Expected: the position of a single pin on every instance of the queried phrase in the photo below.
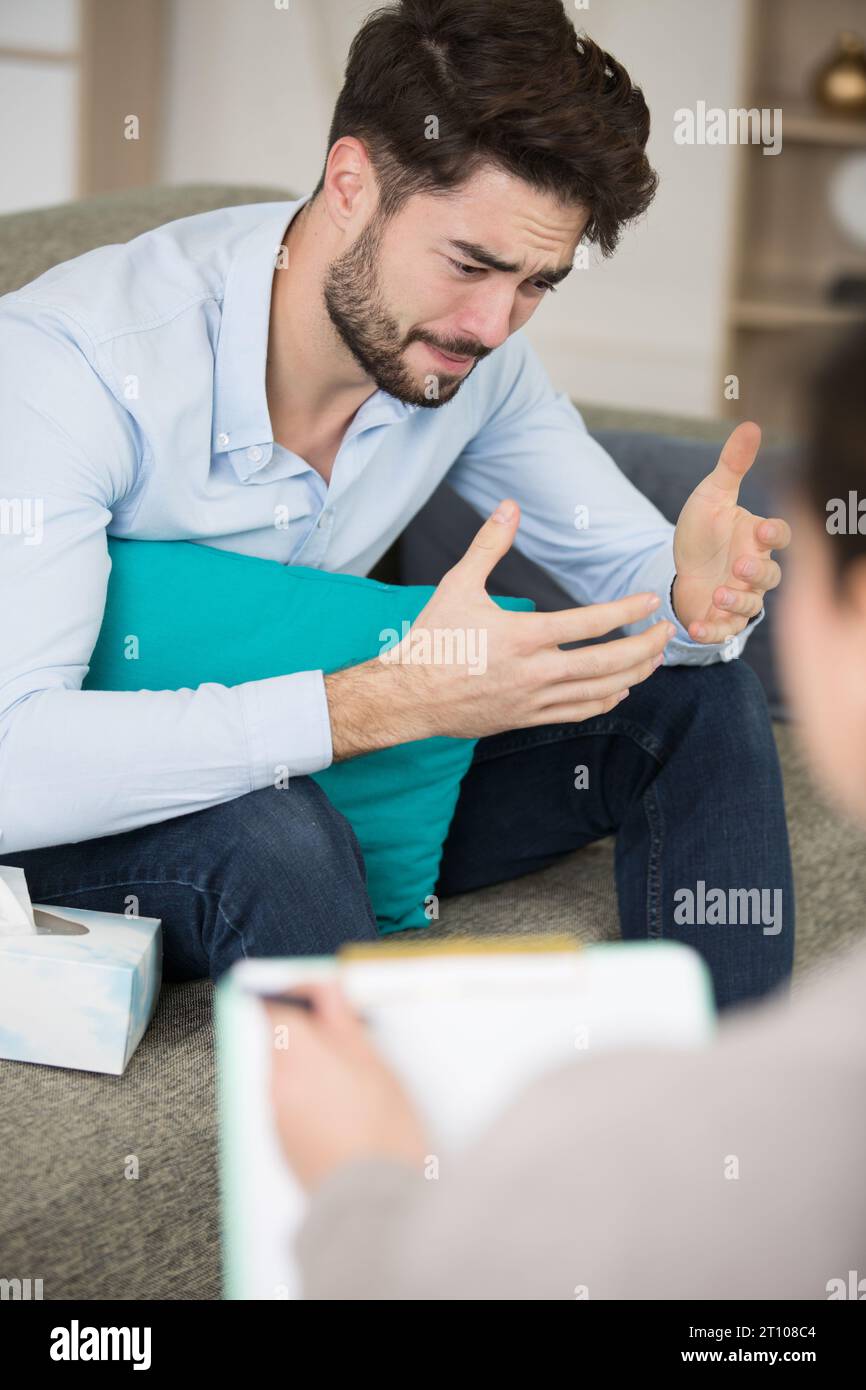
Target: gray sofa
(69, 1215)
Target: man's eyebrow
(484, 257)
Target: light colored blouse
(735, 1172)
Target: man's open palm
(723, 552)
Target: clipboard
(466, 1025)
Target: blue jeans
(684, 772)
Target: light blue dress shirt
(132, 403)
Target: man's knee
(735, 704)
(724, 706)
(294, 829)
(288, 873)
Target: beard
(356, 307)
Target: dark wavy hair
(512, 84)
(834, 461)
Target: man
(330, 361)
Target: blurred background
(744, 268)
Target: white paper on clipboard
(464, 1028)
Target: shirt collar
(240, 416)
(379, 409)
(241, 421)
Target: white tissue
(16, 912)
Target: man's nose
(487, 320)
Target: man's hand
(526, 678)
(334, 1099)
(721, 551)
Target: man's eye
(466, 269)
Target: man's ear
(350, 187)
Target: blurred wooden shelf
(809, 125)
(787, 304)
(789, 245)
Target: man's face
(454, 275)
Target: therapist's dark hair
(436, 89)
(835, 458)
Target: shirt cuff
(287, 725)
(658, 575)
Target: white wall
(646, 328)
(38, 103)
(249, 90)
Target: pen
(298, 1001)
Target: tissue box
(80, 1000)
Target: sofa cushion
(109, 1185)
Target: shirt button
(223, 440)
(729, 649)
(254, 454)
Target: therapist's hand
(334, 1098)
(723, 552)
